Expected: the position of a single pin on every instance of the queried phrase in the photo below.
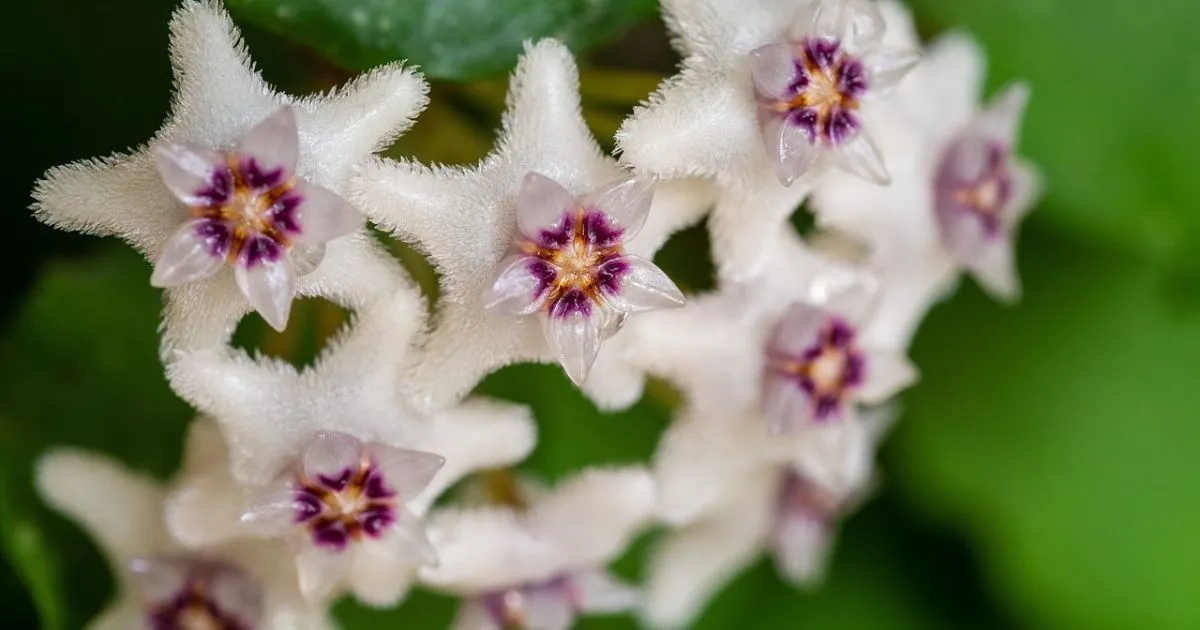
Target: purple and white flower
(249, 209)
(342, 495)
(193, 592)
(569, 265)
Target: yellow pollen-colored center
(983, 197)
(827, 369)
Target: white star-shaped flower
(238, 173)
(540, 564)
(337, 448)
(732, 491)
(160, 584)
(768, 93)
(958, 192)
(530, 198)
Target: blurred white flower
(215, 182)
(541, 563)
(466, 219)
(160, 585)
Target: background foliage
(1043, 476)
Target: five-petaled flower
(568, 263)
(341, 493)
(249, 209)
(185, 592)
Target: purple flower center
(823, 96)
(249, 213)
(196, 607)
(576, 262)
(828, 370)
(510, 608)
(974, 180)
(338, 509)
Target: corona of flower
(248, 209)
(569, 264)
(182, 592)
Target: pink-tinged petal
(788, 146)
(187, 170)
(158, 578)
(1001, 120)
(773, 69)
(271, 510)
(541, 204)
(784, 405)
(861, 156)
(1026, 189)
(858, 20)
(319, 570)
(269, 286)
(802, 547)
(273, 143)
(574, 339)
(644, 287)
(887, 374)
(516, 290)
(405, 471)
(306, 258)
(598, 591)
(548, 609)
(331, 455)
(886, 67)
(625, 202)
(797, 330)
(473, 615)
(237, 594)
(406, 543)
(994, 269)
(195, 251)
(322, 215)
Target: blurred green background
(1044, 476)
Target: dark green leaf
(449, 39)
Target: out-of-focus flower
(466, 219)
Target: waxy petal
(773, 69)
(271, 510)
(322, 215)
(784, 405)
(887, 374)
(541, 204)
(993, 267)
(789, 147)
(407, 543)
(644, 287)
(515, 289)
(574, 339)
(802, 547)
(857, 20)
(157, 579)
(406, 471)
(1001, 120)
(548, 611)
(599, 591)
(197, 250)
(331, 454)
(886, 67)
(273, 143)
(625, 201)
(861, 156)
(269, 286)
(319, 570)
(187, 169)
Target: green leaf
(1112, 123)
(1061, 435)
(449, 39)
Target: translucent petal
(274, 142)
(323, 215)
(548, 610)
(320, 569)
(598, 591)
(238, 595)
(887, 374)
(306, 258)
(186, 169)
(380, 575)
(802, 548)
(797, 329)
(330, 454)
(158, 578)
(271, 510)
(406, 471)
(189, 255)
(541, 204)
(625, 201)
(1026, 189)
(1001, 120)
(859, 20)
(406, 543)
(773, 69)
(887, 66)
(514, 291)
(269, 286)
(644, 288)
(995, 270)
(788, 147)
(575, 341)
(784, 405)
(861, 156)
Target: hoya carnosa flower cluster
(301, 485)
